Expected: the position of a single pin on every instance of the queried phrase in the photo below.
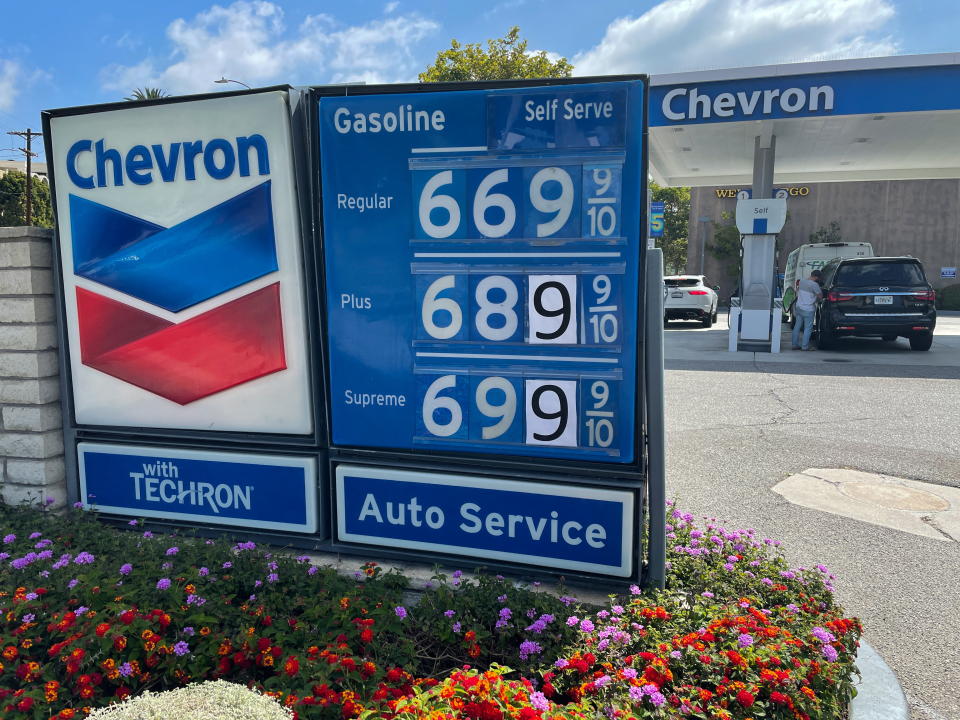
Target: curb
(879, 695)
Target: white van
(813, 256)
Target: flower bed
(92, 615)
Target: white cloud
(9, 73)
(249, 41)
(681, 35)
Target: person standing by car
(808, 292)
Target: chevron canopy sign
(180, 246)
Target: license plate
(677, 293)
(883, 300)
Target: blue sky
(61, 53)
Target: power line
(27, 135)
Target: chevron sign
(182, 272)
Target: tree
(827, 234)
(676, 219)
(13, 197)
(505, 58)
(147, 93)
(726, 244)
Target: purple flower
(830, 653)
(766, 581)
(78, 505)
(132, 523)
(203, 572)
(125, 670)
(163, 583)
(188, 631)
(573, 620)
(28, 618)
(312, 570)
(31, 596)
(147, 534)
(563, 662)
(35, 535)
(617, 609)
(567, 600)
(227, 565)
(19, 563)
(126, 569)
(657, 698)
(629, 673)
(636, 693)
(457, 573)
(586, 626)
(45, 555)
(823, 635)
(245, 546)
(506, 613)
(258, 583)
(167, 565)
(400, 611)
(83, 558)
(173, 550)
(456, 627)
(745, 640)
(539, 701)
(449, 613)
(788, 575)
(706, 594)
(601, 681)
(81, 610)
(49, 501)
(181, 648)
(272, 577)
(73, 583)
(43, 543)
(528, 648)
(502, 599)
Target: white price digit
(601, 393)
(602, 177)
(433, 304)
(561, 205)
(603, 220)
(485, 199)
(432, 401)
(602, 287)
(605, 327)
(429, 201)
(504, 309)
(599, 427)
(506, 411)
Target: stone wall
(31, 438)
(898, 217)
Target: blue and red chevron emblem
(176, 268)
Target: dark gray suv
(887, 297)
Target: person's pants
(804, 324)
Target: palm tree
(147, 93)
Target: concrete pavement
(740, 423)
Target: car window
(880, 273)
(682, 282)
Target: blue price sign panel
(268, 492)
(571, 528)
(482, 254)
(656, 219)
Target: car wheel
(825, 338)
(888, 338)
(715, 311)
(708, 320)
(921, 342)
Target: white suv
(689, 297)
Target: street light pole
(223, 80)
(703, 239)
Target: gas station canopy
(889, 118)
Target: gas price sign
(482, 252)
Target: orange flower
(204, 631)
(344, 603)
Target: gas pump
(755, 325)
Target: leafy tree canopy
(827, 234)
(147, 93)
(13, 201)
(505, 58)
(676, 218)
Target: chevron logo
(176, 268)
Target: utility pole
(28, 135)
